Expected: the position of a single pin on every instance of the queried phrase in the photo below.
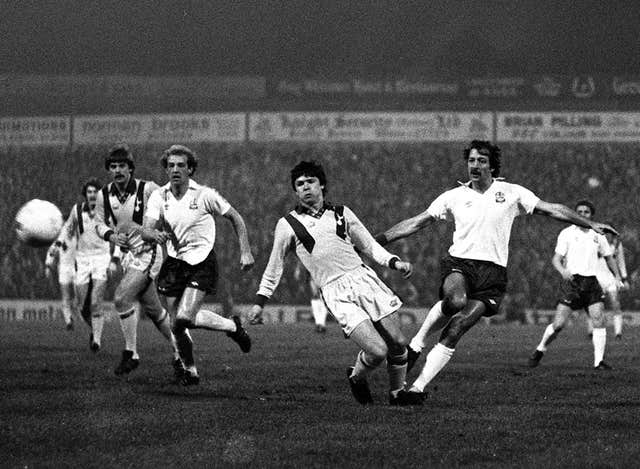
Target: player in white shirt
(576, 259)
(120, 208)
(325, 238)
(610, 284)
(92, 257)
(474, 274)
(181, 214)
(61, 254)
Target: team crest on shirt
(393, 303)
(194, 204)
(500, 197)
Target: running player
(119, 214)
(184, 211)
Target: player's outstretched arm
(563, 213)
(405, 228)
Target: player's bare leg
(550, 333)
(442, 352)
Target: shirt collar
(300, 209)
(129, 190)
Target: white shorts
(607, 281)
(92, 267)
(357, 296)
(146, 261)
(66, 272)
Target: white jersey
(190, 219)
(324, 242)
(580, 249)
(82, 226)
(605, 277)
(483, 221)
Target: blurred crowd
(381, 182)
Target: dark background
(302, 38)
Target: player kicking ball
(324, 237)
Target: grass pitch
(288, 404)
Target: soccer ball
(38, 223)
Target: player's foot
(127, 364)
(178, 369)
(240, 335)
(69, 325)
(93, 345)
(257, 320)
(405, 398)
(320, 329)
(359, 388)
(603, 366)
(618, 336)
(535, 358)
(190, 378)
(412, 358)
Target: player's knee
(454, 303)
(377, 353)
(122, 302)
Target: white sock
(548, 333)
(319, 311)
(599, 343)
(129, 326)
(66, 313)
(437, 358)
(434, 321)
(617, 324)
(97, 324)
(206, 319)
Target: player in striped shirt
(92, 259)
(325, 238)
(119, 215)
(474, 274)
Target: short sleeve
(527, 199)
(214, 202)
(439, 208)
(154, 205)
(562, 245)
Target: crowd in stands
(381, 182)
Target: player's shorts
(66, 272)
(176, 275)
(357, 296)
(148, 262)
(607, 281)
(486, 281)
(581, 292)
(91, 267)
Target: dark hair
(118, 153)
(309, 168)
(586, 203)
(91, 182)
(192, 158)
(486, 148)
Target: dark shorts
(486, 281)
(177, 275)
(581, 292)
